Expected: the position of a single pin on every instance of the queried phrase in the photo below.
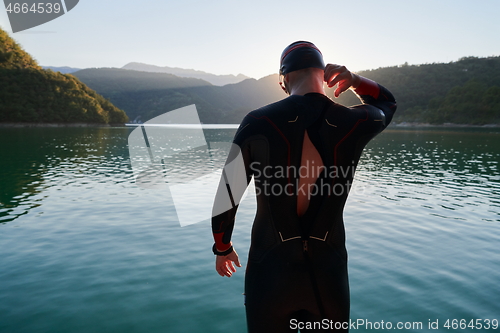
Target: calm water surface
(86, 250)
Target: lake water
(84, 249)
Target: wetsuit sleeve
(234, 180)
(384, 103)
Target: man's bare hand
(339, 74)
(224, 264)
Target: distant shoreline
(20, 125)
(411, 124)
(393, 125)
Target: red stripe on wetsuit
(368, 87)
(219, 244)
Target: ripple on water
(85, 249)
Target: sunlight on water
(86, 250)
(425, 226)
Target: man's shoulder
(270, 113)
(309, 103)
(275, 108)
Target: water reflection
(457, 168)
(454, 168)
(36, 158)
(422, 235)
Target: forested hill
(144, 95)
(116, 80)
(464, 92)
(29, 93)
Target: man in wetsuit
(302, 152)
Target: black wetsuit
(297, 266)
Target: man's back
(272, 140)
(302, 153)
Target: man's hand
(224, 264)
(339, 74)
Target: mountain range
(145, 95)
(218, 80)
(29, 93)
(63, 69)
(466, 91)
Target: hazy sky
(231, 37)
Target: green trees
(471, 103)
(461, 92)
(464, 92)
(30, 94)
(12, 56)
